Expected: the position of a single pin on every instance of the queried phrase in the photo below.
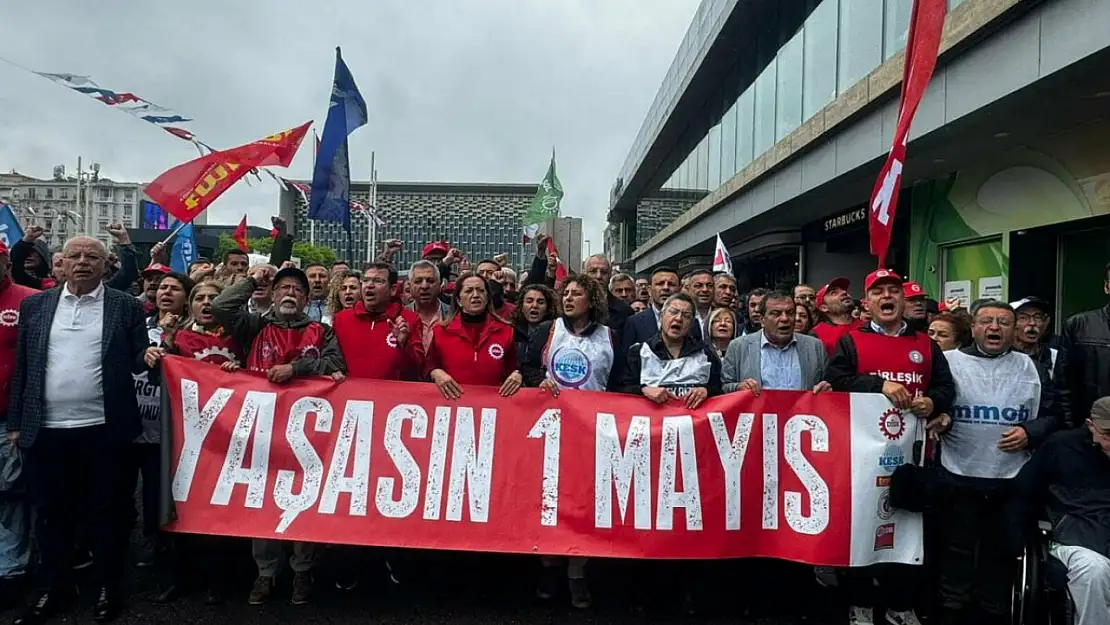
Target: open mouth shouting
(348, 300)
(887, 307)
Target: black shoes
(48, 604)
(108, 606)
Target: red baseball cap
(156, 268)
(913, 289)
(839, 282)
(880, 275)
(436, 246)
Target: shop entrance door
(1083, 258)
(974, 270)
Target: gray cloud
(458, 90)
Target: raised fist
(32, 233)
(119, 233)
(279, 223)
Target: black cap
(1035, 302)
(932, 306)
(292, 272)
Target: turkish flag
(186, 190)
(240, 235)
(926, 26)
(560, 268)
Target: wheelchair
(1041, 585)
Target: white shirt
(74, 390)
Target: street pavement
(463, 589)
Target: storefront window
(896, 27)
(745, 128)
(788, 101)
(703, 164)
(861, 41)
(819, 62)
(764, 135)
(714, 157)
(728, 144)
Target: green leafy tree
(308, 253)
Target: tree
(307, 252)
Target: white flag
(721, 260)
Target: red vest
(281, 346)
(906, 360)
(11, 295)
(207, 347)
(831, 333)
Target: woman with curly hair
(344, 291)
(574, 351)
(535, 305)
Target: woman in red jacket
(473, 345)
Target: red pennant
(240, 235)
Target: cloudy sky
(458, 90)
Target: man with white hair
(623, 287)
(599, 268)
(508, 284)
(283, 343)
(74, 413)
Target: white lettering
(622, 468)
(355, 431)
(770, 471)
(678, 439)
(257, 415)
(403, 460)
(549, 427)
(471, 470)
(815, 486)
(312, 467)
(731, 452)
(437, 463)
(196, 424)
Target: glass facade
(839, 44)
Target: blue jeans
(15, 536)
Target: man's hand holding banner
(789, 475)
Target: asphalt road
(462, 589)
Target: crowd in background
(1018, 417)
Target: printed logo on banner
(570, 367)
(884, 537)
(269, 352)
(218, 355)
(916, 356)
(882, 481)
(891, 458)
(310, 351)
(892, 424)
(9, 317)
(391, 340)
(496, 351)
(886, 511)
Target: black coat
(122, 346)
(642, 326)
(1083, 364)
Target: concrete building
(775, 118)
(480, 219)
(65, 206)
(566, 232)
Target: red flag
(926, 25)
(560, 268)
(186, 190)
(240, 235)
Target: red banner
(926, 27)
(784, 475)
(186, 190)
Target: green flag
(546, 203)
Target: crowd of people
(1018, 417)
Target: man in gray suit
(775, 357)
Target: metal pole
(371, 231)
(312, 232)
(77, 198)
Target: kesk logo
(570, 367)
(891, 458)
(496, 351)
(892, 424)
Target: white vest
(679, 376)
(579, 362)
(992, 395)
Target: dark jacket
(122, 347)
(122, 280)
(533, 368)
(644, 325)
(230, 309)
(630, 382)
(843, 373)
(1067, 479)
(1083, 364)
(1048, 417)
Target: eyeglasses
(675, 312)
(1036, 317)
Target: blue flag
(184, 250)
(10, 230)
(331, 177)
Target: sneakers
(861, 616)
(548, 584)
(902, 618)
(261, 591)
(302, 588)
(580, 594)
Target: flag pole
(371, 231)
(180, 225)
